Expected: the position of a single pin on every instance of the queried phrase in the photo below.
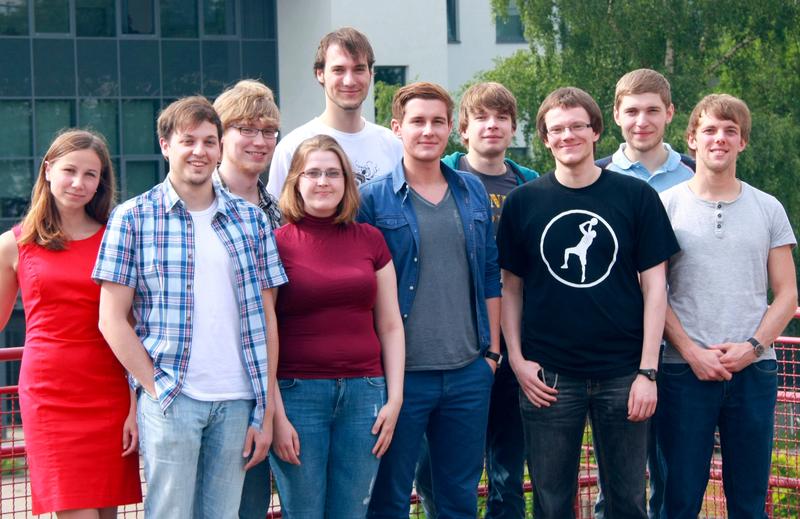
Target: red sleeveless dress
(73, 394)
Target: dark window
(259, 61)
(95, 18)
(17, 185)
(452, 22)
(509, 29)
(181, 66)
(51, 16)
(140, 176)
(138, 17)
(15, 55)
(97, 68)
(101, 116)
(139, 127)
(139, 67)
(50, 118)
(178, 18)
(53, 67)
(14, 17)
(15, 139)
(220, 66)
(219, 17)
(258, 19)
(391, 75)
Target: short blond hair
(488, 95)
(248, 100)
(725, 107)
(421, 90)
(291, 202)
(643, 81)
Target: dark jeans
(553, 437)
(744, 410)
(505, 456)
(256, 492)
(451, 408)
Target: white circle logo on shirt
(579, 248)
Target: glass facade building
(111, 65)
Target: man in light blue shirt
(643, 109)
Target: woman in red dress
(78, 413)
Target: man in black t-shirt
(586, 251)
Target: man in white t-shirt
(343, 66)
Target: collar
(399, 176)
(673, 159)
(171, 199)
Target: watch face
(759, 350)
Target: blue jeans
(451, 408)
(333, 419)
(256, 492)
(744, 410)
(553, 437)
(505, 457)
(192, 454)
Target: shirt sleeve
(268, 262)
(116, 259)
(781, 232)
(656, 241)
(511, 256)
(381, 254)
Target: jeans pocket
(286, 383)
(675, 370)
(767, 367)
(379, 382)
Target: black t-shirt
(497, 186)
(579, 252)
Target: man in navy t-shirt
(586, 251)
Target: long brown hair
(42, 224)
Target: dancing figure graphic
(588, 236)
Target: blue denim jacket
(386, 205)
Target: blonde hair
(42, 223)
(291, 202)
(643, 81)
(248, 100)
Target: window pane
(139, 127)
(181, 67)
(15, 139)
(51, 117)
(452, 21)
(15, 62)
(14, 17)
(139, 68)
(260, 61)
(510, 29)
(97, 68)
(54, 67)
(391, 75)
(258, 20)
(95, 18)
(15, 191)
(220, 16)
(178, 18)
(220, 66)
(140, 176)
(138, 17)
(101, 116)
(51, 15)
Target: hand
(539, 393)
(257, 442)
(286, 444)
(642, 399)
(735, 355)
(384, 424)
(492, 364)
(130, 433)
(706, 364)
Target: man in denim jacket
(437, 224)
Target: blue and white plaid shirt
(149, 245)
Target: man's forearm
(654, 293)
(130, 352)
(493, 312)
(511, 314)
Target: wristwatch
(496, 357)
(758, 348)
(651, 374)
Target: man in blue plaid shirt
(195, 268)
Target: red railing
(783, 499)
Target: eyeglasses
(330, 174)
(268, 133)
(573, 128)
